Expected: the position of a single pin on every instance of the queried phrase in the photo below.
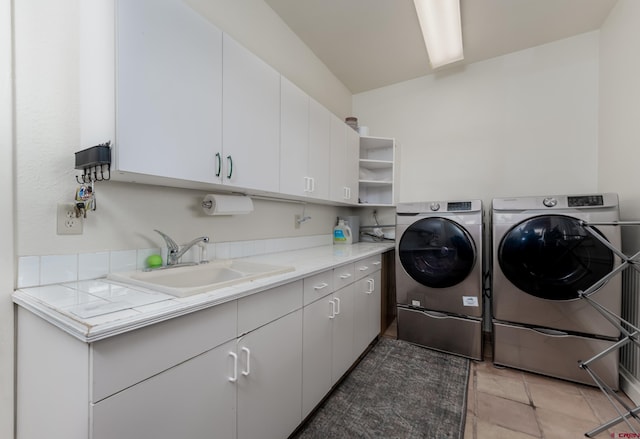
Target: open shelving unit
(377, 171)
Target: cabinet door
(168, 90)
(193, 400)
(366, 311)
(319, 165)
(316, 352)
(270, 379)
(338, 188)
(294, 140)
(352, 164)
(343, 326)
(251, 119)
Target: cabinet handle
(348, 193)
(363, 268)
(230, 163)
(313, 184)
(218, 164)
(371, 286)
(234, 378)
(247, 371)
(376, 263)
(345, 276)
(333, 309)
(337, 305)
(306, 184)
(321, 286)
(344, 193)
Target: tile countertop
(92, 310)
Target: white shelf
(377, 166)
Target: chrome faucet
(174, 252)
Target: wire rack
(629, 332)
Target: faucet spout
(190, 244)
(174, 252)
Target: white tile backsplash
(58, 268)
(93, 265)
(28, 271)
(123, 260)
(53, 269)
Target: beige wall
(619, 142)
(6, 223)
(51, 126)
(520, 124)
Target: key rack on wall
(630, 333)
(95, 163)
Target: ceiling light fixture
(441, 29)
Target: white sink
(187, 280)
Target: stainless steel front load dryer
(439, 275)
(542, 257)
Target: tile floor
(506, 403)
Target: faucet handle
(171, 244)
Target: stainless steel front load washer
(439, 275)
(542, 257)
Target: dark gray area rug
(397, 391)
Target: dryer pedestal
(442, 332)
(529, 349)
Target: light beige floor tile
(559, 400)
(507, 413)
(469, 427)
(485, 430)
(603, 408)
(490, 368)
(508, 387)
(556, 425)
(471, 392)
(566, 386)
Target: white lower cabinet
(337, 325)
(252, 368)
(191, 400)
(367, 311)
(270, 379)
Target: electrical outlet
(68, 223)
(297, 219)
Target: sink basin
(187, 280)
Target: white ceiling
(373, 43)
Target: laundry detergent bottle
(342, 233)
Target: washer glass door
(437, 252)
(553, 257)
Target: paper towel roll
(226, 204)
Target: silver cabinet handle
(321, 286)
(333, 309)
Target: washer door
(437, 252)
(553, 257)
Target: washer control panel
(434, 207)
(550, 202)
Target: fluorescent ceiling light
(441, 29)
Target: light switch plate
(68, 223)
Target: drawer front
(318, 286)
(343, 276)
(264, 307)
(553, 355)
(366, 266)
(123, 360)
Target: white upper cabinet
(294, 140)
(344, 162)
(251, 120)
(168, 90)
(304, 144)
(319, 165)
